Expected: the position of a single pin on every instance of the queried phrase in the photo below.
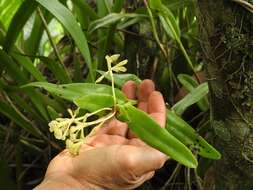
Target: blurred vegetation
(66, 41)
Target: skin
(113, 158)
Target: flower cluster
(118, 67)
(72, 129)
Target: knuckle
(161, 158)
(127, 162)
(137, 142)
(102, 137)
(97, 139)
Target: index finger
(156, 108)
(129, 89)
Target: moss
(232, 48)
(240, 130)
(227, 39)
(247, 152)
(221, 130)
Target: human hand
(114, 158)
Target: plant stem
(102, 119)
(188, 59)
(178, 167)
(188, 174)
(16, 109)
(57, 54)
(109, 65)
(247, 5)
(178, 40)
(198, 180)
(154, 30)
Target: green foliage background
(66, 41)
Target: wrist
(66, 182)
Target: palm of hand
(114, 158)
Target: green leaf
(177, 5)
(12, 68)
(129, 22)
(20, 18)
(7, 9)
(187, 81)
(60, 73)
(190, 84)
(167, 18)
(101, 8)
(2, 37)
(68, 21)
(148, 130)
(93, 102)
(118, 5)
(23, 61)
(170, 24)
(86, 9)
(52, 113)
(74, 91)
(189, 137)
(78, 71)
(166, 27)
(193, 97)
(37, 100)
(20, 78)
(171, 27)
(32, 44)
(28, 65)
(23, 104)
(155, 4)
(2, 29)
(111, 19)
(12, 114)
(121, 79)
(106, 34)
(81, 17)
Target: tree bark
(226, 29)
